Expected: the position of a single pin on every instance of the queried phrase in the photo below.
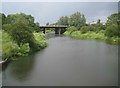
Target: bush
(18, 38)
(9, 47)
(112, 31)
(23, 50)
(40, 40)
(71, 29)
(84, 29)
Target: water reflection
(53, 35)
(21, 68)
(66, 62)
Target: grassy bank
(93, 35)
(10, 49)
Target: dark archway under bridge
(57, 29)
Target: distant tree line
(77, 26)
(76, 19)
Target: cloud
(51, 11)
(59, 0)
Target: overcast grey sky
(51, 11)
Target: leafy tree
(47, 23)
(13, 18)
(114, 18)
(2, 18)
(98, 21)
(63, 20)
(112, 30)
(20, 28)
(113, 25)
(83, 20)
(0, 21)
(77, 19)
(21, 33)
(37, 27)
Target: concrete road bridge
(57, 29)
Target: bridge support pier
(62, 31)
(59, 30)
(44, 30)
(56, 31)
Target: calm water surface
(66, 62)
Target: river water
(66, 62)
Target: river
(66, 62)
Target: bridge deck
(53, 26)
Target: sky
(59, 0)
(44, 12)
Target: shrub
(71, 29)
(84, 29)
(40, 40)
(9, 47)
(112, 31)
(23, 50)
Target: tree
(77, 19)
(83, 20)
(98, 21)
(113, 25)
(63, 20)
(37, 27)
(20, 28)
(112, 31)
(114, 18)
(47, 24)
(2, 19)
(13, 18)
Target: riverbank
(93, 35)
(10, 49)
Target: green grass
(93, 35)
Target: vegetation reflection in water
(21, 68)
(63, 62)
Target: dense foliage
(76, 19)
(113, 25)
(108, 32)
(11, 49)
(19, 38)
(63, 20)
